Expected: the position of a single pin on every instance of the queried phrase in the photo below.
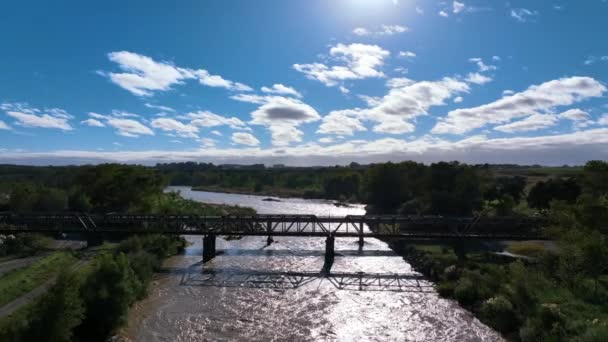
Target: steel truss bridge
(96, 226)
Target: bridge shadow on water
(285, 280)
(295, 252)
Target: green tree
(59, 312)
(108, 293)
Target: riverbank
(518, 298)
(273, 192)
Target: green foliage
(120, 188)
(342, 186)
(598, 333)
(59, 311)
(543, 192)
(506, 186)
(19, 282)
(108, 293)
(498, 312)
(465, 292)
(23, 245)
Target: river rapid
(250, 292)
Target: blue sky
(303, 82)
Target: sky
(303, 82)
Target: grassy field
(19, 282)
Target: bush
(58, 313)
(445, 289)
(465, 292)
(498, 312)
(547, 325)
(595, 334)
(108, 293)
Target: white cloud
(3, 125)
(407, 54)
(481, 65)
(93, 123)
(592, 59)
(143, 76)
(209, 119)
(575, 114)
(457, 7)
(507, 92)
(161, 108)
(218, 133)
(344, 90)
(393, 29)
(385, 30)
(603, 120)
(531, 123)
(360, 61)
(477, 78)
(523, 15)
(207, 142)
(281, 90)
(128, 127)
(537, 99)
(174, 126)
(281, 115)
(245, 139)
(443, 14)
(27, 116)
(342, 122)
(419, 10)
(361, 31)
(205, 78)
(394, 112)
(458, 99)
(399, 82)
(326, 140)
(571, 148)
(580, 119)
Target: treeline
(89, 304)
(407, 187)
(561, 294)
(102, 189)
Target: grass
(10, 325)
(19, 282)
(527, 248)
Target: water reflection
(359, 281)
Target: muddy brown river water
(251, 292)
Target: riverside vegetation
(88, 303)
(558, 294)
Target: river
(251, 292)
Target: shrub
(595, 334)
(465, 292)
(498, 312)
(445, 289)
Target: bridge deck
(411, 227)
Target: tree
(454, 189)
(59, 312)
(543, 192)
(506, 186)
(108, 292)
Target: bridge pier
(94, 239)
(361, 242)
(329, 254)
(208, 247)
(269, 240)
